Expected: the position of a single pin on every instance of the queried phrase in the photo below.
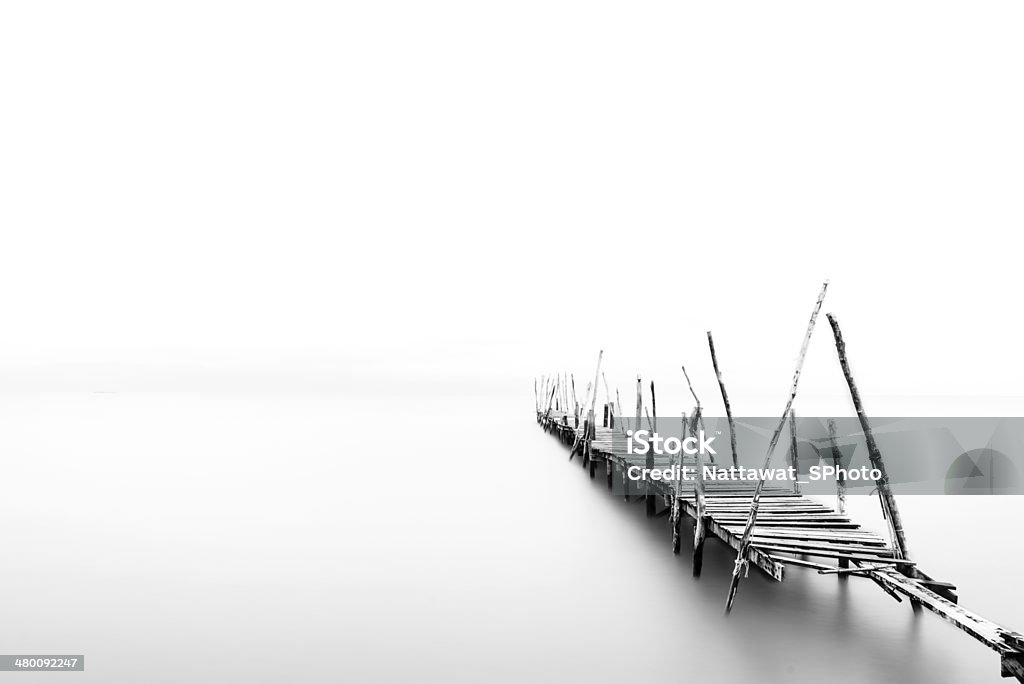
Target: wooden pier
(768, 524)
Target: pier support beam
(874, 455)
(651, 504)
(725, 400)
(676, 520)
(743, 552)
(701, 520)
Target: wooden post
(618, 407)
(725, 399)
(586, 400)
(650, 504)
(892, 513)
(575, 403)
(740, 566)
(677, 517)
(588, 434)
(837, 461)
(639, 406)
(699, 412)
(639, 403)
(590, 449)
(625, 482)
(794, 460)
(700, 527)
(551, 399)
(565, 392)
(597, 372)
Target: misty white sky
(456, 193)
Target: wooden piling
(565, 391)
(618, 406)
(874, 455)
(740, 566)
(639, 403)
(794, 458)
(837, 461)
(677, 517)
(725, 399)
(651, 504)
(575, 403)
(700, 520)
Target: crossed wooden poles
(897, 575)
(891, 513)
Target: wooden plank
(984, 630)
(804, 545)
(827, 553)
(851, 571)
(801, 562)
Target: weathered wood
(837, 461)
(768, 526)
(676, 504)
(801, 562)
(725, 400)
(651, 503)
(565, 391)
(575, 403)
(625, 486)
(618, 407)
(794, 458)
(639, 403)
(829, 553)
(690, 386)
(701, 520)
(854, 571)
(892, 513)
(740, 565)
(593, 404)
(1010, 645)
(879, 583)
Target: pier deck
(789, 528)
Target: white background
(448, 190)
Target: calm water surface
(229, 537)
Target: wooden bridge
(769, 525)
